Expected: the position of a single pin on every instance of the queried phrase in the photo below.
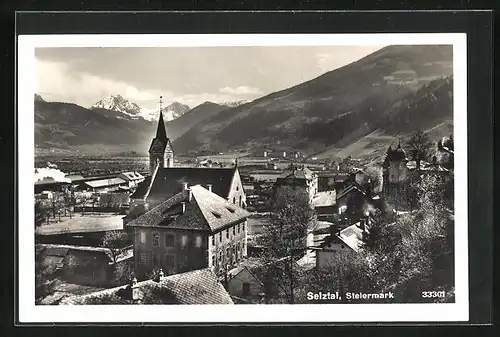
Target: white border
(30, 313)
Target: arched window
(240, 201)
(234, 200)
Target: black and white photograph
(243, 177)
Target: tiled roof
(141, 189)
(206, 211)
(105, 182)
(352, 236)
(353, 186)
(194, 287)
(302, 173)
(169, 181)
(323, 199)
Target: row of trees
(405, 254)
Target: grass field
(83, 224)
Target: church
(166, 179)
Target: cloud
(323, 61)
(57, 81)
(241, 90)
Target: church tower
(161, 151)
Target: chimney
(183, 207)
(185, 186)
(209, 187)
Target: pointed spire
(161, 132)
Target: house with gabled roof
(193, 229)
(349, 239)
(299, 178)
(243, 283)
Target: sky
(189, 75)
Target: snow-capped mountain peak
(116, 102)
(170, 112)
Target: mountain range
(354, 110)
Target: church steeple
(161, 132)
(161, 152)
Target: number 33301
(433, 294)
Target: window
(234, 200)
(245, 291)
(213, 239)
(220, 257)
(228, 254)
(220, 237)
(184, 240)
(198, 241)
(143, 237)
(156, 261)
(144, 258)
(234, 230)
(240, 201)
(237, 188)
(239, 228)
(169, 261)
(227, 233)
(243, 226)
(213, 260)
(156, 239)
(169, 240)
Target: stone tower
(160, 152)
(395, 169)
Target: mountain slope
(195, 116)
(340, 106)
(66, 125)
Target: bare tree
(291, 218)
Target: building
(104, 185)
(301, 178)
(133, 178)
(81, 265)
(349, 239)
(193, 229)
(243, 284)
(193, 287)
(79, 230)
(351, 199)
(165, 180)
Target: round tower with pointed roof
(395, 169)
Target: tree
(348, 272)
(420, 147)
(291, 218)
(44, 278)
(42, 213)
(115, 241)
